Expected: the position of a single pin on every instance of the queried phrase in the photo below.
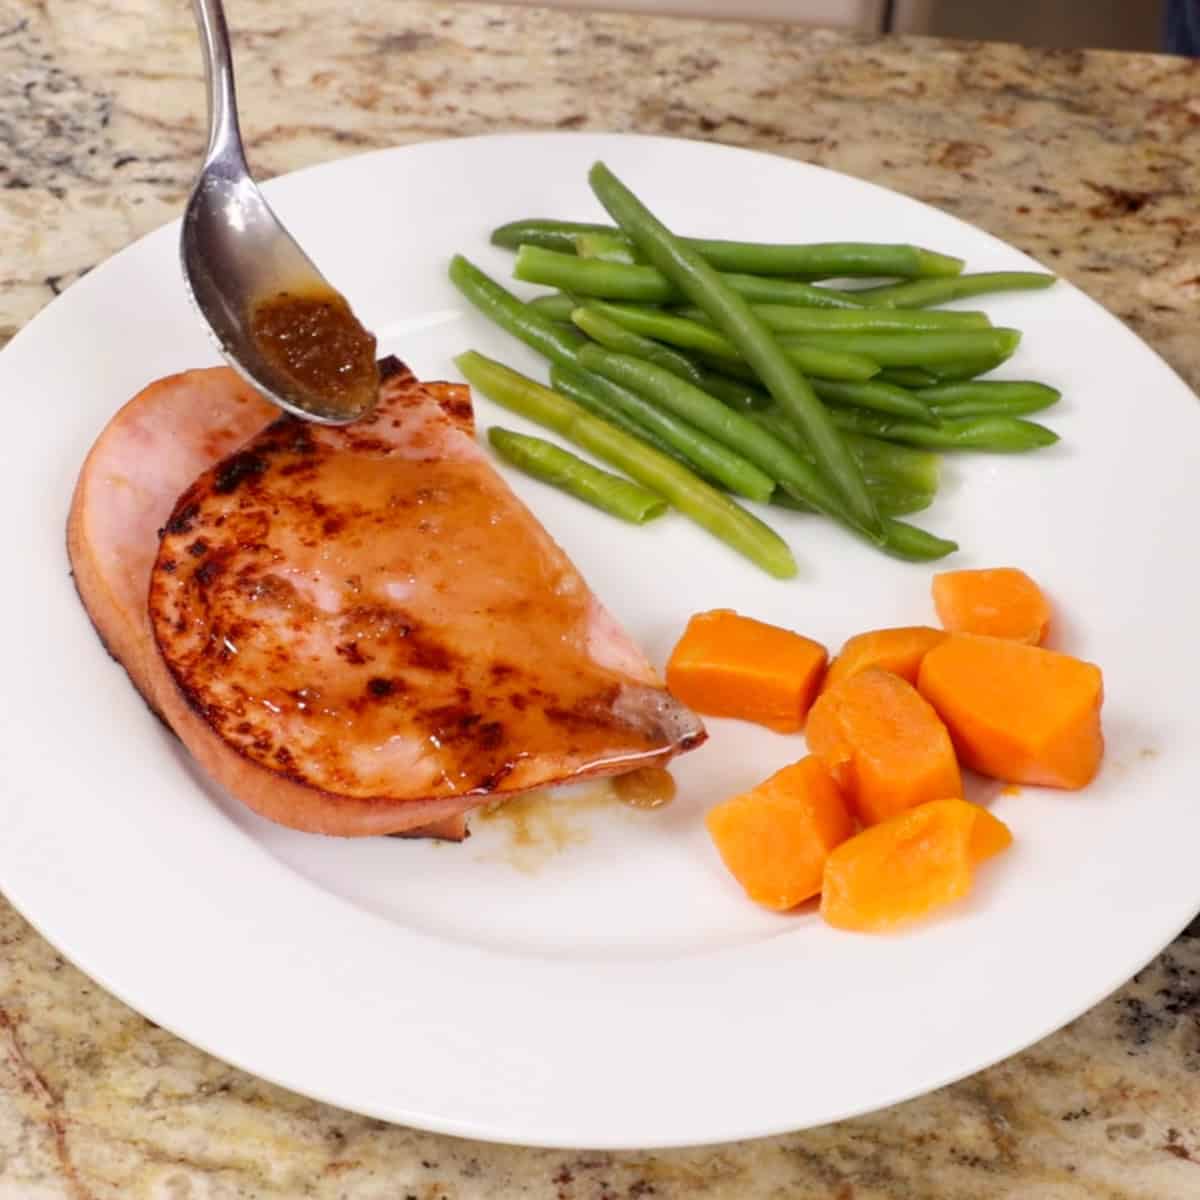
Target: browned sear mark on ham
(234, 471)
(350, 652)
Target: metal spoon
(249, 278)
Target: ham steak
(360, 631)
(153, 448)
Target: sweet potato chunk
(1016, 712)
(727, 665)
(897, 650)
(776, 837)
(989, 836)
(884, 745)
(999, 602)
(902, 869)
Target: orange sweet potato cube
(1016, 712)
(776, 837)
(901, 869)
(727, 665)
(989, 836)
(997, 601)
(897, 650)
(884, 745)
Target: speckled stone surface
(1091, 162)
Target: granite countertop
(1089, 161)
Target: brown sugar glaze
(370, 610)
(645, 787)
(312, 337)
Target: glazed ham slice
(153, 449)
(363, 631)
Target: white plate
(619, 992)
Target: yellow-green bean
(681, 488)
(569, 473)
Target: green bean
(524, 396)
(734, 368)
(898, 539)
(998, 434)
(667, 327)
(884, 464)
(737, 393)
(896, 465)
(794, 471)
(592, 320)
(592, 276)
(931, 349)
(889, 470)
(902, 540)
(692, 335)
(876, 397)
(907, 377)
(549, 235)
(900, 502)
(981, 398)
(569, 473)
(596, 394)
(890, 499)
(647, 285)
(557, 306)
(609, 246)
(582, 387)
(828, 362)
(592, 391)
(787, 318)
(710, 456)
(827, 260)
(820, 260)
(692, 275)
(774, 421)
(904, 487)
(760, 289)
(681, 488)
(922, 293)
(971, 368)
(557, 343)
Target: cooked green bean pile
(820, 378)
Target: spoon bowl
(311, 357)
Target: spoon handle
(224, 136)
